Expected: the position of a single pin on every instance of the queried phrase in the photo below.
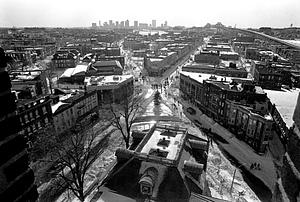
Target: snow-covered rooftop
(200, 77)
(106, 80)
(285, 102)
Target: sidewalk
(239, 150)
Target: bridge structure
(284, 48)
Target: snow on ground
(220, 175)
(99, 166)
(285, 102)
(220, 172)
(239, 150)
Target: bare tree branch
(74, 159)
(128, 110)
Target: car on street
(197, 123)
(191, 110)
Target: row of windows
(38, 125)
(33, 115)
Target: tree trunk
(127, 143)
(81, 196)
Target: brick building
(288, 184)
(221, 97)
(266, 75)
(34, 115)
(16, 178)
(111, 89)
(73, 109)
(64, 59)
(209, 57)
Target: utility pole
(232, 182)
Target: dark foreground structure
(165, 163)
(16, 178)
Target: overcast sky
(70, 13)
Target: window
(26, 118)
(30, 116)
(37, 113)
(44, 110)
(46, 120)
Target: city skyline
(192, 13)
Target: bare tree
(74, 157)
(124, 115)
(44, 141)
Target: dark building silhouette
(16, 178)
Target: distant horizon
(189, 13)
(149, 28)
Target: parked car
(191, 110)
(197, 123)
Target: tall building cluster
(126, 24)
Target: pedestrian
(258, 166)
(255, 166)
(251, 167)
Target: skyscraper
(154, 23)
(117, 24)
(136, 24)
(16, 178)
(99, 23)
(110, 23)
(127, 23)
(166, 24)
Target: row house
(64, 59)
(217, 92)
(34, 115)
(107, 51)
(29, 83)
(249, 125)
(266, 75)
(156, 65)
(209, 57)
(120, 59)
(74, 110)
(213, 94)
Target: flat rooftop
(200, 77)
(168, 142)
(106, 80)
(164, 142)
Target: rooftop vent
(116, 78)
(213, 77)
(163, 142)
(159, 153)
(168, 133)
